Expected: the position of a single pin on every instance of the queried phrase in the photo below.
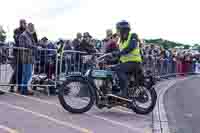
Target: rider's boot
(123, 94)
(115, 90)
(1, 92)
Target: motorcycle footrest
(118, 97)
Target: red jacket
(111, 46)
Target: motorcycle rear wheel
(145, 110)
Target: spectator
(188, 63)
(111, 47)
(179, 63)
(184, 64)
(109, 33)
(44, 42)
(99, 45)
(67, 45)
(153, 51)
(61, 48)
(19, 31)
(16, 65)
(86, 45)
(173, 61)
(51, 46)
(42, 55)
(76, 42)
(93, 42)
(35, 37)
(112, 44)
(27, 41)
(61, 45)
(194, 61)
(4, 52)
(50, 60)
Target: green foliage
(187, 46)
(167, 44)
(2, 35)
(196, 46)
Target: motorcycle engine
(104, 85)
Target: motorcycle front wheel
(76, 95)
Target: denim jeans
(26, 76)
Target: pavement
(176, 110)
(41, 114)
(44, 114)
(181, 104)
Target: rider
(129, 54)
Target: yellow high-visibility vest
(133, 56)
(60, 53)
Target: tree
(166, 44)
(187, 46)
(2, 34)
(195, 46)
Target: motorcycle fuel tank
(101, 74)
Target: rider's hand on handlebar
(115, 53)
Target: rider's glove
(115, 53)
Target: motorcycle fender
(150, 82)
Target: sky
(175, 20)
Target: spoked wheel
(144, 100)
(75, 95)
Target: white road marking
(161, 110)
(8, 129)
(138, 130)
(123, 110)
(188, 115)
(83, 130)
(95, 116)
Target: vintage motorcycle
(97, 85)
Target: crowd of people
(170, 60)
(159, 60)
(25, 36)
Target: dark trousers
(17, 74)
(122, 70)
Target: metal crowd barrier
(74, 62)
(38, 65)
(166, 68)
(49, 68)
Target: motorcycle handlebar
(101, 58)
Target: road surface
(43, 114)
(182, 106)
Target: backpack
(135, 36)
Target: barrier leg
(19, 76)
